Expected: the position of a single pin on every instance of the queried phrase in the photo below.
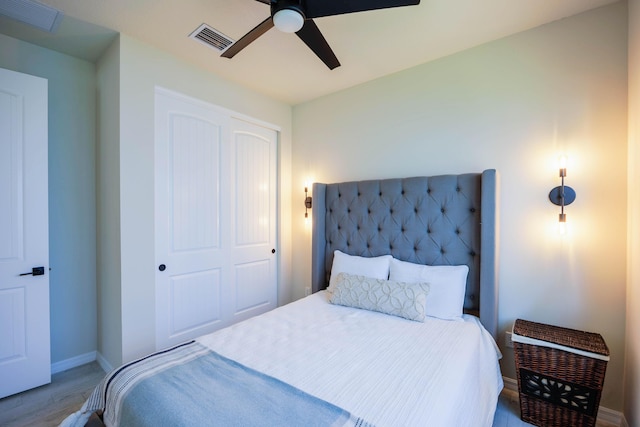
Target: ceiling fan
(296, 16)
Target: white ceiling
(368, 44)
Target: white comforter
(387, 370)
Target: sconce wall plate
(555, 196)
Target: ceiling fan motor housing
(295, 5)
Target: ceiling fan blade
(248, 38)
(310, 34)
(318, 8)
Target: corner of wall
(108, 206)
(632, 349)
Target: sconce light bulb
(562, 228)
(562, 165)
(562, 161)
(562, 224)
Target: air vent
(211, 37)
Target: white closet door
(253, 188)
(25, 356)
(204, 263)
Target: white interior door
(25, 360)
(198, 267)
(253, 186)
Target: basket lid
(580, 340)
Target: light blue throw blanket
(191, 385)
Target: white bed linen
(387, 370)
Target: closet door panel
(253, 186)
(192, 261)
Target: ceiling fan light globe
(288, 20)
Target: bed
(339, 356)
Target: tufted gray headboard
(438, 220)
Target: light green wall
(632, 368)
(142, 68)
(514, 104)
(72, 212)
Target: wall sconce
(562, 195)
(307, 202)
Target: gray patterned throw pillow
(401, 299)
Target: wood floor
(48, 405)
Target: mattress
(387, 370)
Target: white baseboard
(80, 360)
(605, 415)
(106, 366)
(73, 362)
(510, 386)
(624, 422)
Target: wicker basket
(560, 374)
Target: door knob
(35, 271)
(162, 267)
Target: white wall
(72, 224)
(141, 69)
(514, 104)
(108, 273)
(632, 368)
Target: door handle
(35, 271)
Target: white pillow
(448, 284)
(406, 300)
(375, 267)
